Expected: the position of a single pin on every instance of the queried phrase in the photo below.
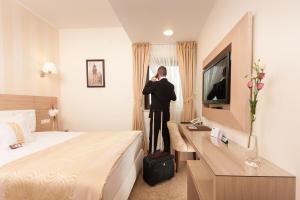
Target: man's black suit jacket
(162, 92)
(218, 90)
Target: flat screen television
(216, 80)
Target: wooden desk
(221, 174)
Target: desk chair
(178, 143)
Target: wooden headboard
(38, 103)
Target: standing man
(162, 92)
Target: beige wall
(96, 109)
(276, 42)
(26, 42)
(1, 49)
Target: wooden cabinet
(202, 185)
(200, 181)
(221, 174)
(192, 193)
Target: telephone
(215, 132)
(197, 121)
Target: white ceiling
(74, 13)
(143, 20)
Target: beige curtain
(141, 53)
(186, 53)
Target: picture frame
(95, 73)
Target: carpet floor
(174, 189)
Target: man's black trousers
(165, 135)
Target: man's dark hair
(224, 72)
(162, 70)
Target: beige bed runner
(76, 169)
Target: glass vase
(252, 158)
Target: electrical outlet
(45, 121)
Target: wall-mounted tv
(216, 80)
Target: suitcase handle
(152, 138)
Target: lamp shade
(49, 68)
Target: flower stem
(251, 127)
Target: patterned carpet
(174, 189)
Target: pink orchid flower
(250, 84)
(260, 86)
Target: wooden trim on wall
(240, 38)
(40, 104)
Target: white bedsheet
(122, 177)
(124, 172)
(41, 141)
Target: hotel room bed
(34, 170)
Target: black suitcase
(158, 169)
(157, 166)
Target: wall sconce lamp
(48, 68)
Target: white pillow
(7, 136)
(21, 121)
(28, 115)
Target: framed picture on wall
(95, 73)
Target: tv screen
(216, 82)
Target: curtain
(163, 54)
(141, 53)
(186, 54)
